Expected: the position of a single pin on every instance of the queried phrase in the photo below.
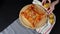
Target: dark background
(9, 10)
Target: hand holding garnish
(49, 6)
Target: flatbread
(33, 16)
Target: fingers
(52, 7)
(43, 2)
(50, 10)
(49, 1)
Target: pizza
(34, 15)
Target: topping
(32, 15)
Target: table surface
(9, 10)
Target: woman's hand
(52, 6)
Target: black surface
(9, 10)
(56, 28)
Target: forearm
(55, 2)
